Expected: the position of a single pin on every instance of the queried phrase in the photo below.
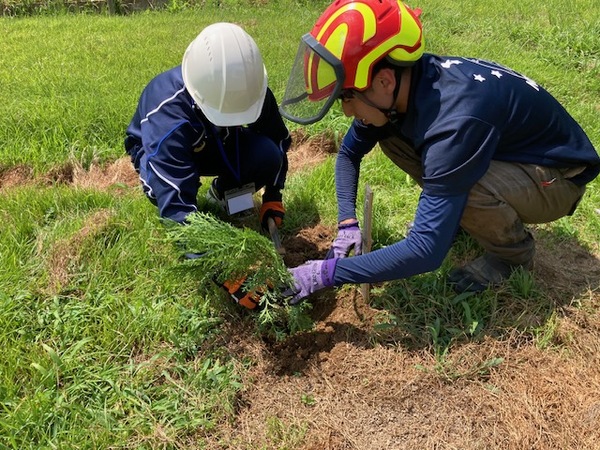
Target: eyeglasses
(346, 94)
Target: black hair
(387, 63)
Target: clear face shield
(314, 84)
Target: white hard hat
(224, 73)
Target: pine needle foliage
(215, 251)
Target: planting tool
(275, 236)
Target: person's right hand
(239, 293)
(349, 237)
(271, 210)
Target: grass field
(109, 342)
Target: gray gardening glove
(309, 278)
(349, 237)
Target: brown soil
(118, 174)
(341, 387)
(309, 151)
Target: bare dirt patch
(306, 152)
(309, 151)
(119, 173)
(336, 387)
(15, 176)
(63, 259)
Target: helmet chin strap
(390, 113)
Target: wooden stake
(367, 240)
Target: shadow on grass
(424, 311)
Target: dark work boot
(482, 273)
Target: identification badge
(240, 199)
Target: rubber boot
(484, 272)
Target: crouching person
(213, 116)
(491, 149)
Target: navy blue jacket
(169, 140)
(462, 113)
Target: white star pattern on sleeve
(450, 62)
(499, 71)
(479, 78)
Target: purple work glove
(349, 237)
(309, 278)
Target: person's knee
(265, 164)
(499, 230)
(268, 157)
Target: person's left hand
(309, 278)
(241, 295)
(349, 238)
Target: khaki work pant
(508, 196)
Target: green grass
(99, 332)
(106, 342)
(72, 89)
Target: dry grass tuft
(63, 258)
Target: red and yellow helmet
(349, 38)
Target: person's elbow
(432, 263)
(429, 253)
